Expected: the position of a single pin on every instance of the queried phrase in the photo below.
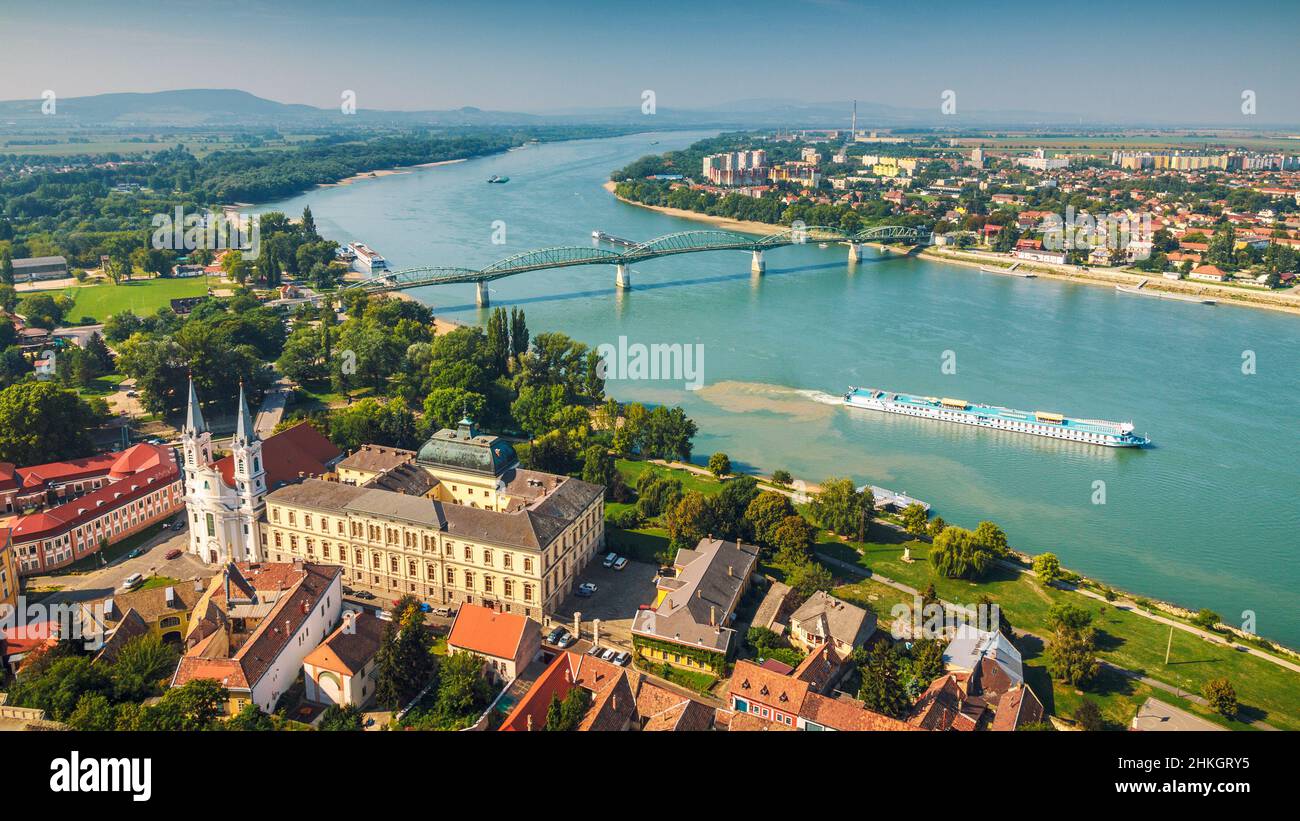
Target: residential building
(984, 687)
(824, 619)
(163, 612)
(341, 670)
(226, 498)
(253, 627)
(1210, 273)
(507, 642)
(465, 524)
(622, 699)
(760, 698)
(738, 168)
(107, 499)
(687, 624)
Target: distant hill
(213, 107)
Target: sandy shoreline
(386, 172)
(1285, 302)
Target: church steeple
(194, 415)
(244, 427)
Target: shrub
(1222, 697)
(719, 465)
(1048, 567)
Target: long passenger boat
(1037, 423)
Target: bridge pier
(483, 299)
(622, 277)
(856, 252)
(758, 266)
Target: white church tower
(223, 516)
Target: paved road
(102, 582)
(272, 409)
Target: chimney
(713, 616)
(530, 722)
(731, 571)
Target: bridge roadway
(682, 242)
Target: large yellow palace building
(459, 521)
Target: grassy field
(1267, 692)
(142, 296)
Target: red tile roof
(300, 449)
(487, 632)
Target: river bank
(1281, 301)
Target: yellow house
(156, 611)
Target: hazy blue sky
(1122, 61)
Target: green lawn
(158, 581)
(142, 296)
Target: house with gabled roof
(507, 642)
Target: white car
(586, 589)
(610, 559)
(621, 563)
(608, 655)
(622, 658)
(595, 650)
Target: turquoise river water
(1206, 517)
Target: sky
(1113, 61)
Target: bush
(781, 477)
(1048, 568)
(627, 519)
(1222, 697)
(1088, 716)
(1206, 619)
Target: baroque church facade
(223, 499)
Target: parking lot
(619, 593)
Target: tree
(41, 311)
(463, 692)
(765, 514)
(730, 506)
(881, 690)
(1004, 624)
(598, 468)
(404, 663)
(937, 525)
(719, 465)
(1088, 716)
(40, 422)
(566, 715)
(195, 705)
(843, 509)
(691, 519)
(1222, 697)
(140, 667)
(927, 660)
(93, 713)
(781, 478)
(250, 719)
(6, 268)
(915, 519)
(958, 554)
(1067, 616)
(1072, 656)
(992, 539)
(1048, 568)
(793, 539)
(807, 578)
(337, 718)
(445, 407)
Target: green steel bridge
(682, 242)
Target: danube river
(1205, 518)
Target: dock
(886, 498)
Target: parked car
(621, 563)
(586, 589)
(610, 558)
(608, 655)
(172, 554)
(132, 582)
(565, 640)
(348, 591)
(622, 658)
(364, 595)
(554, 636)
(135, 554)
(445, 612)
(595, 650)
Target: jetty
(887, 499)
